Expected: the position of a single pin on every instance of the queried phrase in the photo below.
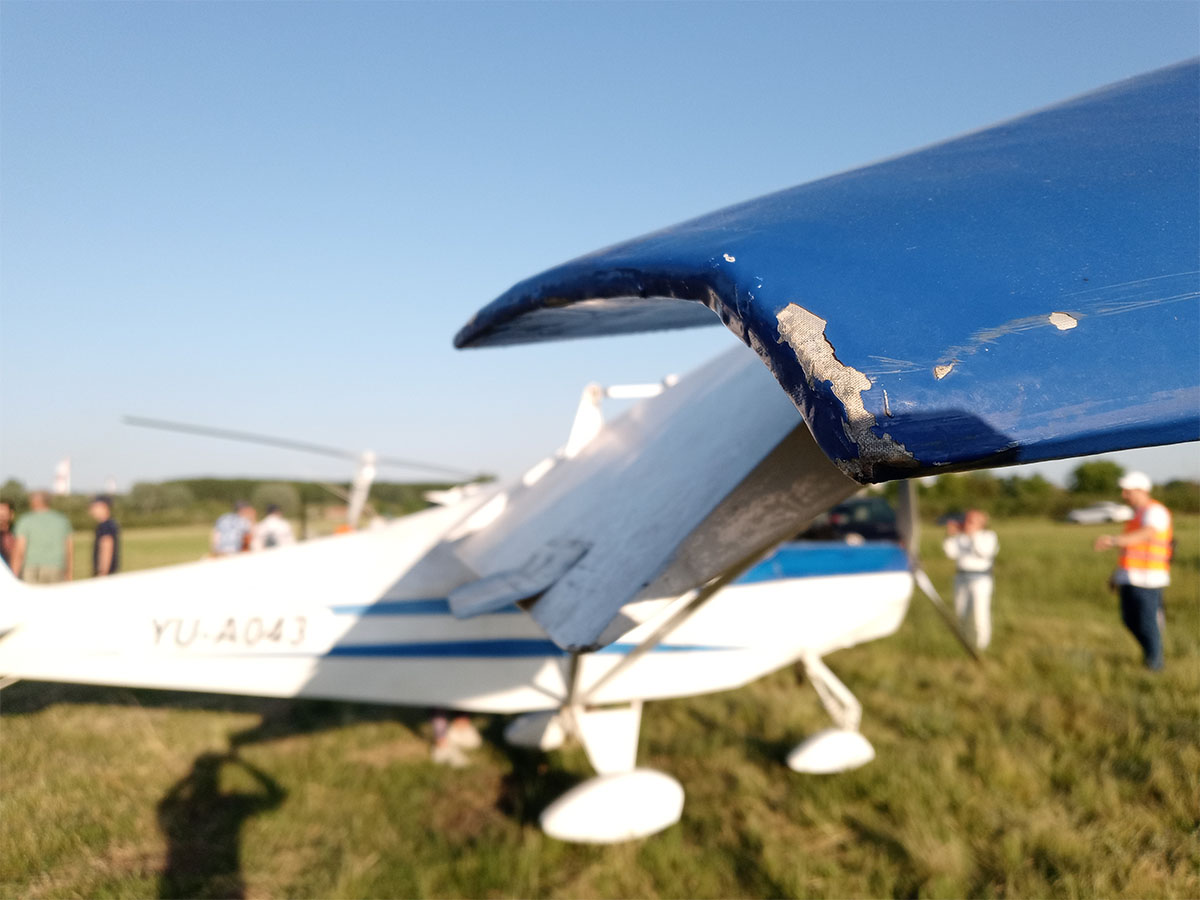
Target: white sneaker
(462, 734)
(447, 754)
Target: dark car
(870, 517)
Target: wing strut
(910, 533)
(700, 596)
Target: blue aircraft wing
(1026, 292)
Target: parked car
(858, 518)
(1105, 511)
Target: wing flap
(503, 589)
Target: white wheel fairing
(609, 809)
(829, 751)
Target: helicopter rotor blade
(431, 467)
(250, 437)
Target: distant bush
(389, 498)
(194, 501)
(1035, 496)
(1097, 477)
(1179, 496)
(225, 491)
(400, 499)
(1015, 496)
(1032, 496)
(14, 492)
(147, 498)
(280, 494)
(1001, 497)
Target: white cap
(1135, 481)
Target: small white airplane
(968, 305)
(424, 612)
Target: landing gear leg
(837, 749)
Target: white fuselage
(318, 620)
(601, 546)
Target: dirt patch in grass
(470, 806)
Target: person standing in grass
(973, 547)
(452, 740)
(231, 534)
(43, 553)
(273, 531)
(106, 549)
(1144, 567)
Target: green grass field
(147, 548)
(1057, 768)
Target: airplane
(968, 305)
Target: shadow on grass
(532, 783)
(771, 754)
(279, 718)
(202, 824)
(286, 718)
(767, 753)
(26, 697)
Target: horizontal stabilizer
(1025, 292)
(503, 589)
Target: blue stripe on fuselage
(433, 606)
(801, 559)
(810, 559)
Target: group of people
(240, 531)
(1143, 568)
(39, 549)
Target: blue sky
(274, 217)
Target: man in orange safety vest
(1144, 568)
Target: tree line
(189, 501)
(1033, 495)
(199, 500)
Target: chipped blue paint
(937, 273)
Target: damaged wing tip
(804, 332)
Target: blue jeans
(1139, 612)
